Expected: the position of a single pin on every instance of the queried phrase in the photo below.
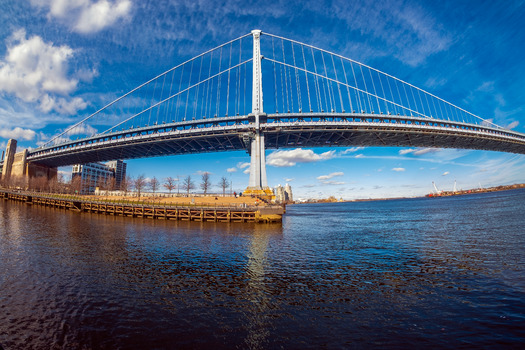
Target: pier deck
(259, 214)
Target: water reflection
(357, 274)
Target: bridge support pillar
(9, 159)
(258, 185)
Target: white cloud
(87, 16)
(247, 170)
(35, 71)
(332, 182)
(513, 124)
(82, 129)
(398, 169)
(352, 150)
(445, 173)
(200, 172)
(298, 155)
(242, 165)
(419, 151)
(231, 170)
(289, 180)
(329, 176)
(18, 133)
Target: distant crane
(455, 189)
(435, 187)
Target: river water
(442, 273)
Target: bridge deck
(281, 131)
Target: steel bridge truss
(281, 131)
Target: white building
(283, 194)
(93, 175)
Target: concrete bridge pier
(258, 184)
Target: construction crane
(437, 191)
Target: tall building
(119, 170)
(93, 175)
(288, 193)
(283, 194)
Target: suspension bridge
(312, 97)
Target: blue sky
(59, 58)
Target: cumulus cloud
(18, 133)
(329, 176)
(242, 165)
(83, 129)
(398, 169)
(513, 124)
(445, 173)
(86, 16)
(298, 155)
(231, 170)
(36, 71)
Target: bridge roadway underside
(280, 135)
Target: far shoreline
(446, 194)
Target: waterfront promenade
(225, 209)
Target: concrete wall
(19, 164)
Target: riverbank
(187, 209)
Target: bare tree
(188, 185)
(111, 184)
(75, 186)
(61, 182)
(53, 185)
(101, 183)
(139, 184)
(205, 182)
(125, 184)
(153, 184)
(170, 184)
(224, 183)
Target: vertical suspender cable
(338, 86)
(306, 77)
(195, 105)
(383, 90)
(188, 92)
(366, 90)
(285, 78)
(178, 92)
(375, 91)
(297, 82)
(347, 86)
(329, 88)
(361, 110)
(208, 97)
(228, 87)
(274, 78)
(219, 86)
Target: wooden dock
(258, 214)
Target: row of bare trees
(187, 184)
(59, 184)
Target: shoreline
(154, 209)
(445, 194)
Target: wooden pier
(259, 214)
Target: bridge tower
(258, 184)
